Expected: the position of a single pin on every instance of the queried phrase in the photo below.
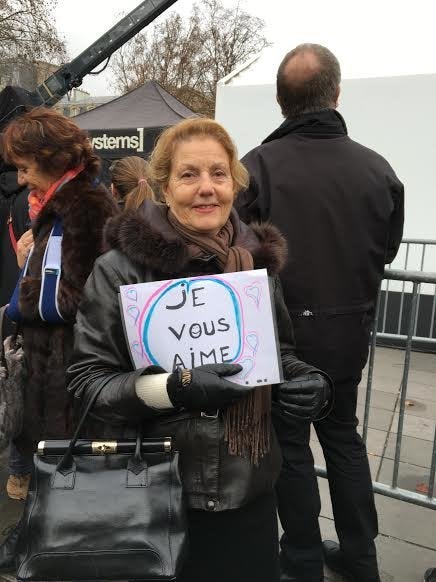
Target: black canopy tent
(129, 125)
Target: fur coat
(84, 210)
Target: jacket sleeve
(397, 220)
(292, 366)
(101, 355)
(20, 214)
(253, 204)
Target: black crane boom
(71, 75)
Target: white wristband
(152, 390)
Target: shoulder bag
(12, 378)
(51, 273)
(103, 511)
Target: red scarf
(37, 200)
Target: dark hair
(129, 179)
(303, 94)
(55, 142)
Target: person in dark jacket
(14, 221)
(13, 215)
(340, 206)
(56, 162)
(228, 480)
(13, 196)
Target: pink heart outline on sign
(252, 340)
(253, 291)
(137, 348)
(132, 294)
(133, 312)
(248, 365)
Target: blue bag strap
(51, 272)
(13, 309)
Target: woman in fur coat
(68, 209)
(56, 162)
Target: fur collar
(146, 238)
(84, 210)
(75, 198)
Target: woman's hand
(205, 387)
(23, 247)
(307, 397)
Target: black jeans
(338, 345)
(239, 545)
(19, 464)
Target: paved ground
(407, 540)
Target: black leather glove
(307, 397)
(205, 388)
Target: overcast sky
(370, 37)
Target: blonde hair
(159, 167)
(129, 179)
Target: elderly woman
(68, 209)
(228, 477)
(129, 183)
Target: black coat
(338, 203)
(13, 202)
(143, 242)
(84, 210)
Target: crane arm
(71, 74)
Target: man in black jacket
(340, 206)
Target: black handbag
(103, 511)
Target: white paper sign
(204, 320)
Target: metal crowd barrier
(421, 247)
(417, 278)
(414, 255)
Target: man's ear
(280, 105)
(338, 92)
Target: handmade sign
(204, 320)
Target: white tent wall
(248, 112)
(395, 116)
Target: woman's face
(31, 176)
(200, 190)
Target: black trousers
(239, 545)
(339, 345)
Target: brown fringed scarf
(247, 424)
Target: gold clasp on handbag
(104, 447)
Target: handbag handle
(65, 465)
(136, 466)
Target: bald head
(308, 80)
(301, 67)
